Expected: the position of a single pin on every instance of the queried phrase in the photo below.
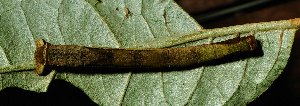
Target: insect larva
(48, 56)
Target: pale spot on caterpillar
(48, 56)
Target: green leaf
(138, 24)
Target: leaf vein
(239, 84)
(194, 89)
(165, 17)
(147, 23)
(59, 26)
(104, 22)
(125, 90)
(277, 56)
(163, 89)
(26, 20)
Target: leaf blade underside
(123, 24)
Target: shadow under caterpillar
(49, 57)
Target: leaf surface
(136, 23)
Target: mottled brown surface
(286, 89)
(54, 56)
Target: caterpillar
(48, 55)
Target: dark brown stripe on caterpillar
(48, 55)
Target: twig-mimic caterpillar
(48, 56)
